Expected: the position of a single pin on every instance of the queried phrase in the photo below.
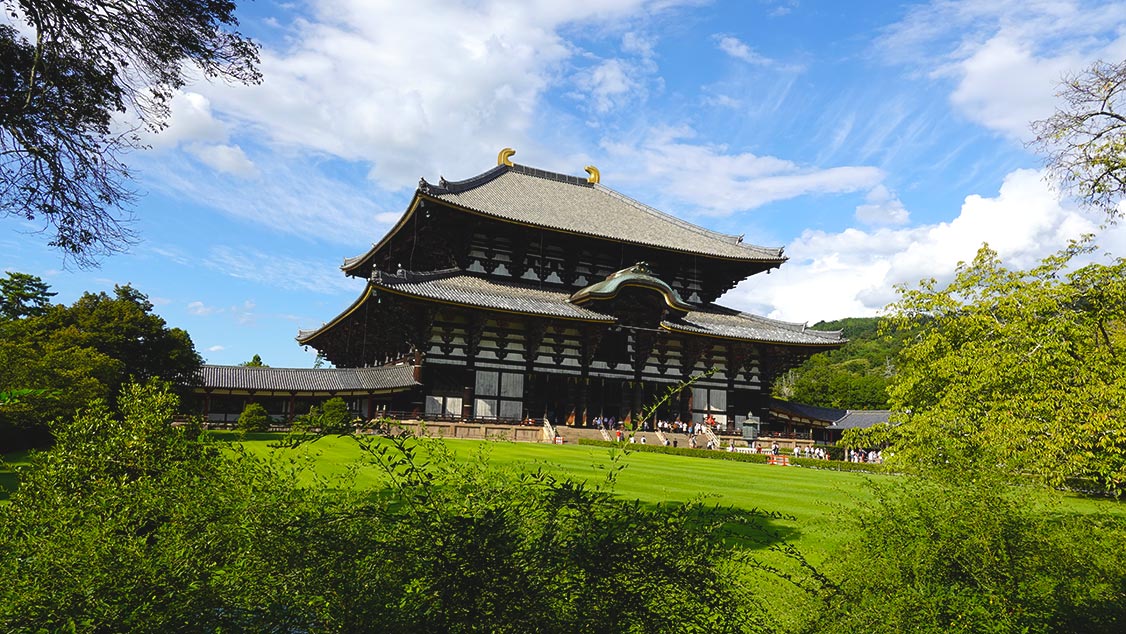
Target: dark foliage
(131, 525)
(82, 63)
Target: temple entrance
(559, 398)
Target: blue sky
(880, 143)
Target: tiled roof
(558, 201)
(719, 321)
(838, 418)
(468, 290)
(826, 414)
(861, 419)
(455, 287)
(235, 377)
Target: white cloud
(202, 310)
(721, 183)
(289, 197)
(414, 87)
(609, 83)
(738, 49)
(1006, 57)
(216, 348)
(190, 121)
(854, 272)
(721, 100)
(1004, 86)
(225, 158)
(882, 207)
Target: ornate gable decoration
(637, 276)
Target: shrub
(253, 418)
(974, 556)
(714, 454)
(332, 417)
(131, 525)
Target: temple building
(522, 294)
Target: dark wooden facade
(522, 294)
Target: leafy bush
(839, 465)
(253, 419)
(974, 556)
(129, 524)
(719, 454)
(332, 417)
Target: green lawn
(817, 499)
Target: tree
(255, 362)
(76, 354)
(23, 295)
(854, 377)
(1019, 371)
(1085, 140)
(331, 417)
(123, 327)
(85, 62)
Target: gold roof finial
(593, 171)
(505, 156)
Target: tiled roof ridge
(384, 377)
(402, 275)
(457, 187)
(795, 326)
(684, 224)
(266, 368)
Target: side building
(526, 294)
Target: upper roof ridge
(678, 221)
(454, 187)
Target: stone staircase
(710, 435)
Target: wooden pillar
(591, 337)
(474, 330)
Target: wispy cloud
(1004, 58)
(719, 182)
(734, 47)
(281, 271)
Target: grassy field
(817, 500)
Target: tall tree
(63, 78)
(1085, 140)
(255, 362)
(23, 295)
(72, 355)
(1017, 370)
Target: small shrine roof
(837, 418)
(861, 418)
(540, 198)
(636, 275)
(237, 377)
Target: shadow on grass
(10, 464)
